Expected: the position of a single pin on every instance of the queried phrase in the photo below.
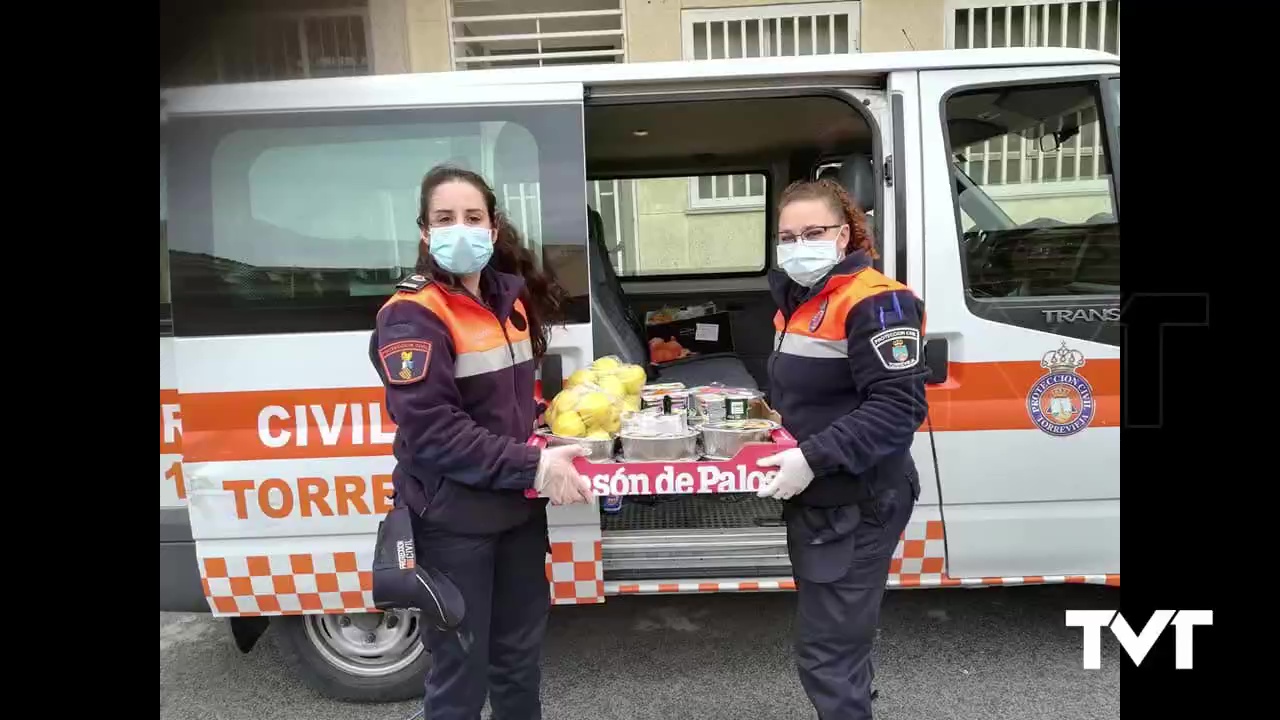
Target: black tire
(310, 651)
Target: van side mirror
(935, 358)
(552, 368)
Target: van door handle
(935, 358)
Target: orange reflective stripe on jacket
(818, 328)
(477, 337)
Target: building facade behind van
(655, 227)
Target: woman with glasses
(847, 380)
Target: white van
(992, 183)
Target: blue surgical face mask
(808, 261)
(461, 249)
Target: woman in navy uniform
(456, 347)
(847, 380)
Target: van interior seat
(856, 174)
(619, 331)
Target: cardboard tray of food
(664, 438)
(711, 458)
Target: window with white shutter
(1013, 159)
(534, 33)
(291, 40)
(828, 28)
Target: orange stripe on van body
(993, 395)
(222, 427)
(169, 422)
(226, 427)
(976, 396)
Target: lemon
(580, 377)
(612, 386)
(607, 364)
(566, 400)
(598, 435)
(569, 424)
(615, 420)
(549, 415)
(594, 409)
(632, 377)
(631, 402)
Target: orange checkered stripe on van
(663, 587)
(576, 573)
(918, 562)
(253, 585)
(785, 583)
(342, 582)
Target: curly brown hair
(542, 297)
(840, 203)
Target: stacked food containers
(707, 432)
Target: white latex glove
(558, 479)
(794, 474)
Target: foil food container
(597, 450)
(670, 447)
(650, 422)
(723, 440)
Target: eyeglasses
(813, 232)
(422, 223)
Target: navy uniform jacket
(459, 378)
(846, 377)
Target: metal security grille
(615, 201)
(259, 41)
(315, 43)
(524, 33)
(522, 204)
(984, 24)
(1013, 159)
(693, 512)
(829, 28)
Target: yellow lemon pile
(594, 399)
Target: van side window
(659, 228)
(304, 222)
(1034, 195)
(166, 309)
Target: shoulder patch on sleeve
(413, 283)
(898, 348)
(405, 361)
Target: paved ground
(990, 654)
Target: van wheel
(358, 657)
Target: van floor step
(686, 512)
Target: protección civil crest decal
(1061, 401)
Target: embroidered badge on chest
(816, 322)
(897, 348)
(405, 362)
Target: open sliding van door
(291, 216)
(1021, 273)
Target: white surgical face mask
(461, 249)
(808, 261)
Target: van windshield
(1035, 199)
